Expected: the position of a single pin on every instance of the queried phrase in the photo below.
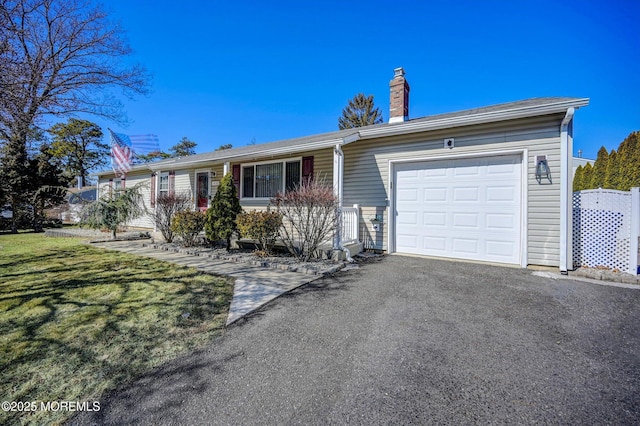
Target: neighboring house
(69, 212)
(459, 185)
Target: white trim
(117, 183)
(160, 174)
(195, 187)
(635, 231)
(523, 195)
(524, 236)
(338, 187)
(257, 163)
(566, 258)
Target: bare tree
(56, 58)
(308, 217)
(167, 205)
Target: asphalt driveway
(409, 341)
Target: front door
(202, 191)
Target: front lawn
(76, 321)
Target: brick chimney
(399, 99)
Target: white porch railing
(350, 224)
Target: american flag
(125, 147)
(121, 158)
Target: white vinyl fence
(606, 226)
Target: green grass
(76, 321)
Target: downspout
(566, 257)
(338, 181)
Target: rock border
(251, 260)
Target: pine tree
(184, 148)
(221, 216)
(599, 169)
(587, 173)
(14, 175)
(577, 179)
(612, 176)
(626, 154)
(47, 186)
(114, 209)
(633, 169)
(361, 111)
(78, 146)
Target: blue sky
(233, 72)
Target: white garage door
(465, 208)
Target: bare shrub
(188, 225)
(262, 226)
(308, 217)
(167, 205)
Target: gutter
(566, 255)
(290, 149)
(338, 173)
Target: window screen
(268, 179)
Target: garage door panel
(436, 219)
(466, 171)
(505, 168)
(408, 195)
(470, 208)
(408, 241)
(435, 173)
(435, 195)
(497, 221)
(502, 193)
(500, 248)
(435, 244)
(466, 220)
(408, 218)
(465, 246)
(466, 194)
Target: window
(163, 183)
(117, 184)
(265, 180)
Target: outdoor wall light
(542, 169)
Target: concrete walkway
(254, 286)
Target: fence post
(635, 231)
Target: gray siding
(367, 175)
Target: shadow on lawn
(70, 316)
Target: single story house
(490, 184)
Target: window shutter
(172, 182)
(307, 168)
(153, 190)
(122, 182)
(236, 177)
(110, 187)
